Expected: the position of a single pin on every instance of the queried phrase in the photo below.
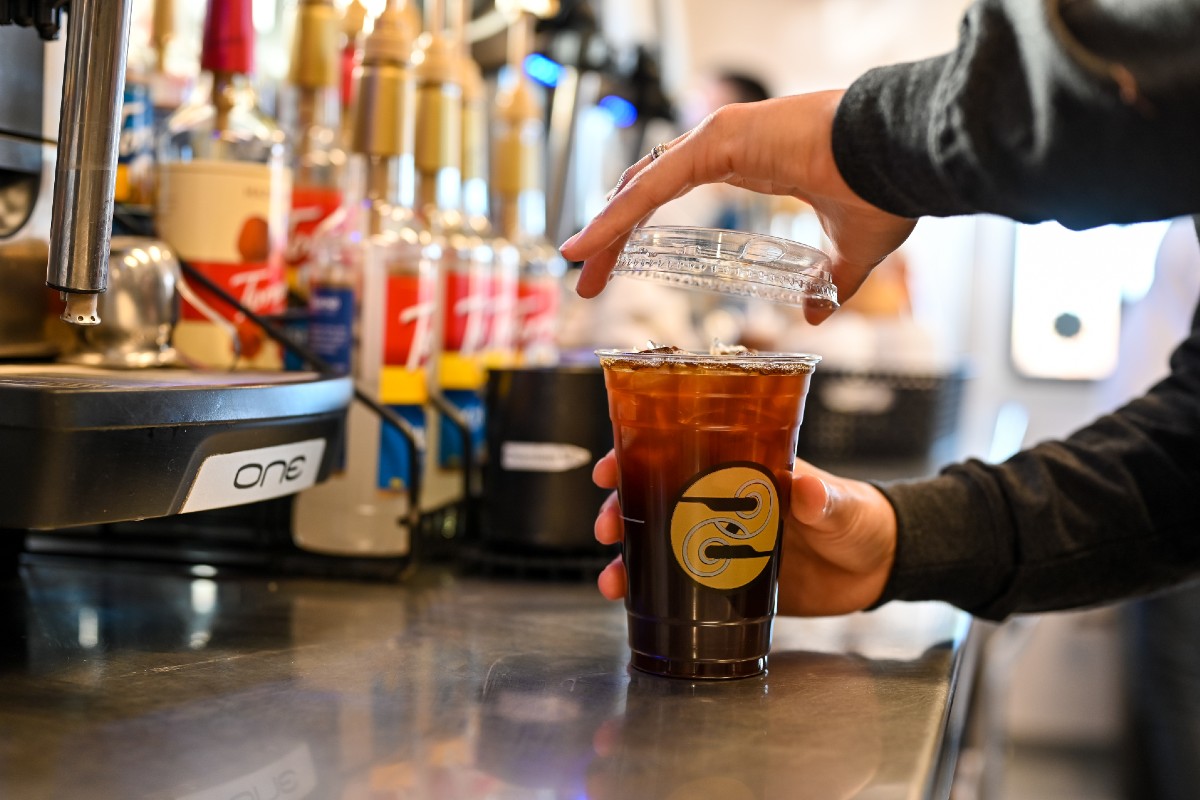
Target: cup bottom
(698, 670)
(701, 650)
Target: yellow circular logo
(725, 525)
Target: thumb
(848, 523)
(815, 503)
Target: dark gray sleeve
(1112, 511)
(1082, 111)
(1085, 112)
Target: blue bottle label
(331, 325)
(396, 468)
(450, 450)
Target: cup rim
(709, 364)
(697, 356)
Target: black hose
(312, 360)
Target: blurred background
(977, 338)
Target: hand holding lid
(781, 146)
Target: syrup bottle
(372, 294)
(518, 183)
(353, 34)
(223, 196)
(499, 345)
(464, 265)
(311, 112)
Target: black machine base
(81, 446)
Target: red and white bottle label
(310, 206)
(408, 335)
(537, 317)
(502, 318)
(468, 295)
(228, 219)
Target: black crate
(873, 415)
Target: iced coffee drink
(705, 445)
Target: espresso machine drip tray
(82, 446)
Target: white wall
(804, 45)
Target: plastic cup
(705, 446)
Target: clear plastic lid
(730, 262)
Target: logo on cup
(725, 525)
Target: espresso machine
(88, 446)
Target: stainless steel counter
(131, 684)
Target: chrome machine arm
(89, 130)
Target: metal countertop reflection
(124, 683)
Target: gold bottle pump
(439, 120)
(314, 64)
(383, 129)
(311, 112)
(412, 16)
(354, 20)
(474, 146)
(162, 31)
(353, 24)
(519, 144)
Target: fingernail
(825, 509)
(570, 241)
